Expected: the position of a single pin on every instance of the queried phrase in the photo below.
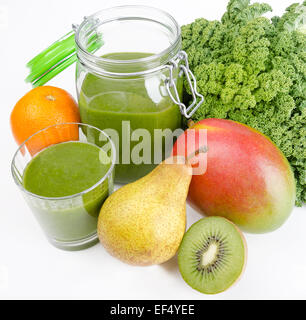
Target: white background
(31, 268)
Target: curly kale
(252, 69)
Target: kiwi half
(212, 255)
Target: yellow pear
(143, 222)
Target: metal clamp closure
(170, 83)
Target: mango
(247, 180)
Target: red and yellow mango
(248, 180)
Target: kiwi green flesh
(212, 255)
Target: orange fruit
(42, 107)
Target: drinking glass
(69, 222)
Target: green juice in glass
(64, 170)
(106, 102)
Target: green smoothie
(105, 102)
(64, 170)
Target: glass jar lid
(57, 57)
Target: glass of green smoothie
(65, 173)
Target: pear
(143, 222)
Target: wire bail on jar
(170, 83)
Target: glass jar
(131, 87)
